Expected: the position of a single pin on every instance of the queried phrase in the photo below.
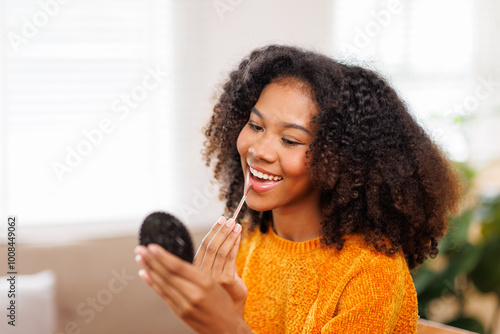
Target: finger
(198, 259)
(189, 285)
(146, 277)
(146, 259)
(230, 265)
(179, 290)
(215, 244)
(182, 309)
(226, 253)
(173, 267)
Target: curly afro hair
(379, 173)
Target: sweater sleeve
(373, 299)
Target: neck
(298, 223)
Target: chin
(255, 205)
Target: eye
(255, 127)
(289, 142)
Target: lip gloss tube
(247, 189)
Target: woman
(347, 194)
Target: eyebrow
(284, 124)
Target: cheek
(296, 165)
(242, 142)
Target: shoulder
(359, 257)
(370, 289)
(361, 270)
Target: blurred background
(102, 106)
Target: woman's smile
(262, 180)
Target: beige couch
(98, 290)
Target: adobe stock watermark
(32, 26)
(372, 28)
(122, 107)
(200, 201)
(92, 305)
(221, 7)
(483, 91)
(449, 295)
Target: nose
(263, 149)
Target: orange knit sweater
(306, 287)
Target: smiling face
(273, 146)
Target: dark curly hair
(379, 172)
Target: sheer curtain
(86, 109)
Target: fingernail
(237, 228)
(140, 250)
(230, 222)
(138, 258)
(221, 220)
(142, 273)
(153, 248)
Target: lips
(262, 181)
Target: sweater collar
(292, 246)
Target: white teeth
(264, 176)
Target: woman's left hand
(196, 298)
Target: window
(432, 52)
(86, 109)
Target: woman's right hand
(217, 257)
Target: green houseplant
(464, 262)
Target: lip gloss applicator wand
(245, 194)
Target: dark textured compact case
(167, 231)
